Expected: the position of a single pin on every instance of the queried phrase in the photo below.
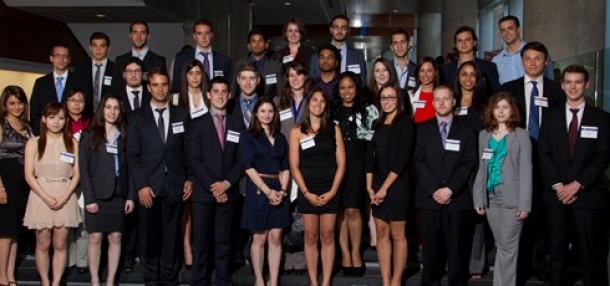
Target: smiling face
(502, 111)
(509, 31)
(111, 110)
(158, 86)
(76, 104)
(293, 34)
(399, 45)
(533, 63)
(467, 77)
(193, 77)
(14, 107)
(347, 91)
(317, 104)
(464, 42)
(389, 100)
(574, 86)
(138, 36)
(265, 113)
(427, 74)
(381, 73)
(247, 81)
(296, 80)
(218, 96)
(443, 102)
(55, 123)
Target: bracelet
(305, 192)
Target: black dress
(318, 166)
(353, 186)
(11, 171)
(389, 151)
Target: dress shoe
(128, 268)
(81, 270)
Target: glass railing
(594, 62)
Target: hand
(187, 190)
(371, 193)
(3, 197)
(570, 201)
(326, 197)
(92, 208)
(442, 196)
(218, 188)
(146, 196)
(570, 190)
(274, 197)
(222, 198)
(311, 198)
(480, 211)
(521, 215)
(129, 205)
(560, 191)
(380, 196)
(51, 202)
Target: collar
(103, 62)
(527, 79)
(143, 52)
(64, 75)
(213, 111)
(155, 107)
(580, 107)
(448, 119)
(198, 50)
(253, 97)
(505, 52)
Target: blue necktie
(206, 63)
(533, 124)
(59, 87)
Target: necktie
(573, 131)
(161, 123)
(206, 63)
(96, 85)
(136, 100)
(220, 131)
(247, 112)
(444, 132)
(59, 87)
(533, 124)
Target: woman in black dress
(387, 182)
(352, 112)
(103, 169)
(14, 190)
(317, 164)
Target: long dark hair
(183, 97)
(98, 124)
(54, 108)
(300, 69)
(400, 106)
(391, 70)
(480, 94)
(71, 93)
(17, 92)
(424, 60)
(305, 122)
(255, 126)
(361, 100)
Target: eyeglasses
(387, 98)
(133, 71)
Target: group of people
(155, 162)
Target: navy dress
(258, 153)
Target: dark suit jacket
(410, 74)
(437, 168)
(354, 57)
(149, 158)
(122, 94)
(97, 173)
(44, 93)
(220, 62)
(211, 163)
(551, 89)
(303, 55)
(271, 68)
(589, 162)
(85, 73)
(234, 109)
(151, 60)
(488, 69)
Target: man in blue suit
(214, 62)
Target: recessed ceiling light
(287, 3)
(395, 11)
(101, 16)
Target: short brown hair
(490, 122)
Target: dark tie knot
(574, 110)
(443, 124)
(135, 93)
(204, 54)
(160, 110)
(98, 65)
(534, 83)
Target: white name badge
(487, 153)
(419, 104)
(285, 114)
(112, 149)
(107, 80)
(452, 145)
(178, 127)
(287, 59)
(541, 101)
(369, 135)
(411, 82)
(270, 79)
(219, 73)
(77, 135)
(66, 157)
(461, 111)
(175, 98)
(197, 113)
(307, 143)
(233, 136)
(588, 132)
(354, 68)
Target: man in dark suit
(156, 151)
(138, 34)
(466, 45)
(351, 59)
(445, 154)
(212, 155)
(52, 87)
(573, 150)
(405, 68)
(133, 93)
(535, 94)
(271, 80)
(214, 62)
(96, 74)
(241, 106)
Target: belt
(55, 180)
(268, 176)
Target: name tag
(107, 80)
(452, 145)
(461, 111)
(419, 104)
(112, 149)
(487, 153)
(411, 82)
(175, 98)
(197, 113)
(541, 101)
(369, 135)
(66, 157)
(287, 59)
(354, 68)
(77, 135)
(270, 79)
(233, 136)
(588, 132)
(307, 143)
(285, 114)
(178, 127)
(219, 73)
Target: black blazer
(303, 55)
(149, 158)
(267, 89)
(122, 94)
(437, 168)
(211, 163)
(220, 62)
(488, 69)
(97, 173)
(151, 60)
(590, 157)
(44, 93)
(84, 71)
(551, 89)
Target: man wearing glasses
(132, 93)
